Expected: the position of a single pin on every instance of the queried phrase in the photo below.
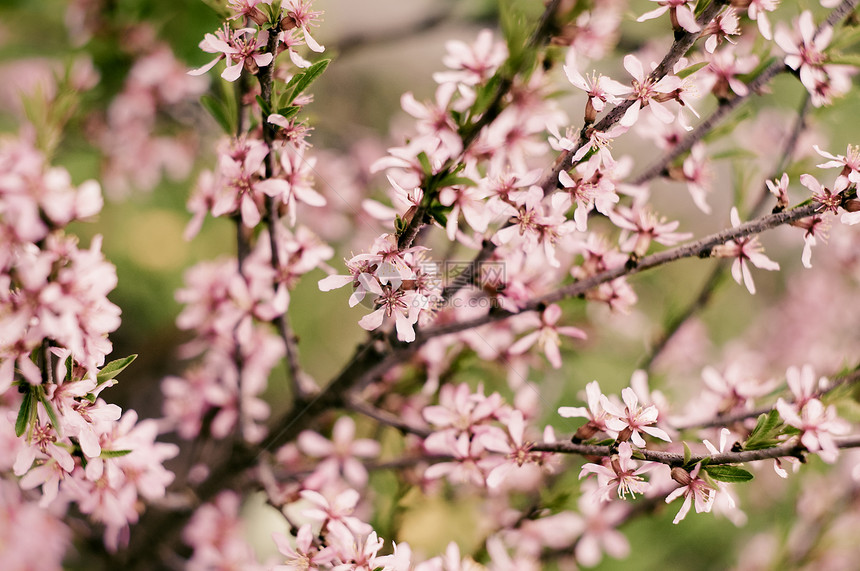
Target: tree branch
(701, 248)
(791, 448)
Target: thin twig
(729, 419)
(701, 248)
(718, 273)
(300, 388)
(791, 448)
(726, 107)
(549, 183)
(493, 110)
(384, 417)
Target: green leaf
(425, 164)
(843, 58)
(452, 180)
(726, 473)
(114, 453)
(70, 367)
(485, 95)
(26, 412)
(289, 111)
(845, 37)
(114, 368)
(734, 154)
(49, 408)
(767, 428)
(700, 7)
(440, 215)
(308, 77)
(218, 110)
(688, 71)
(687, 454)
(264, 106)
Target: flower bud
(681, 476)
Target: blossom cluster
(520, 172)
(55, 318)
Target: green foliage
(701, 6)
(727, 473)
(49, 410)
(690, 70)
(114, 453)
(223, 109)
(27, 412)
(219, 112)
(301, 81)
(767, 430)
(114, 368)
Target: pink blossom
(600, 533)
(591, 189)
(34, 538)
(817, 423)
(815, 227)
(779, 188)
(631, 420)
(743, 250)
(695, 490)
(801, 381)
(247, 9)
(696, 172)
(599, 88)
(434, 119)
(650, 93)
(640, 226)
(240, 49)
(827, 199)
(305, 555)
(293, 184)
(299, 11)
(757, 10)
(216, 535)
(547, 336)
(468, 455)
(737, 387)
(849, 163)
(724, 67)
(341, 453)
(338, 508)
(680, 11)
(595, 413)
(622, 475)
(516, 449)
(807, 53)
(719, 29)
(473, 64)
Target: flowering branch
(727, 106)
(718, 273)
(701, 248)
(790, 449)
(730, 419)
(550, 182)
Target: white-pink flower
(342, 452)
(744, 249)
(680, 12)
(621, 476)
(695, 490)
(633, 419)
